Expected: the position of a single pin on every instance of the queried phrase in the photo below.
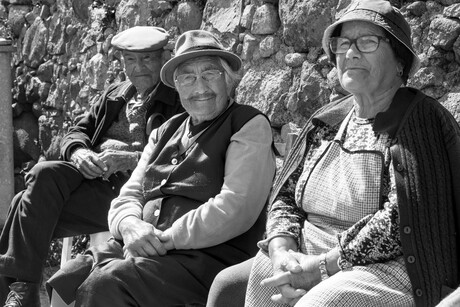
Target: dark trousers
(57, 202)
(103, 277)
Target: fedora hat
(192, 44)
(380, 13)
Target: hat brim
(167, 71)
(354, 17)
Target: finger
(158, 246)
(150, 250)
(99, 163)
(279, 299)
(127, 254)
(290, 292)
(294, 301)
(88, 173)
(89, 169)
(276, 280)
(293, 267)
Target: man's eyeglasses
(365, 44)
(190, 79)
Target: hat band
(381, 18)
(196, 48)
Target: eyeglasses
(364, 44)
(190, 79)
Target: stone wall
(64, 60)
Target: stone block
(266, 20)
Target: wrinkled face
(201, 85)
(366, 73)
(143, 68)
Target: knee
(229, 279)
(321, 295)
(52, 173)
(43, 171)
(108, 276)
(229, 287)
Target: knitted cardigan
(425, 152)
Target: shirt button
(407, 230)
(156, 212)
(411, 259)
(418, 292)
(399, 167)
(163, 182)
(174, 161)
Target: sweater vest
(183, 182)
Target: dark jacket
(425, 152)
(89, 130)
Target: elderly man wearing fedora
(70, 197)
(194, 204)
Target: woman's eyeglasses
(190, 79)
(365, 44)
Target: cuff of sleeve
(72, 148)
(178, 235)
(341, 249)
(263, 244)
(114, 227)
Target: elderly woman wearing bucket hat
(365, 211)
(194, 204)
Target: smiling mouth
(202, 98)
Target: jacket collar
(388, 121)
(394, 117)
(334, 112)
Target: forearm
(131, 200)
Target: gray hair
(232, 78)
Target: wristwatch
(344, 264)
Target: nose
(139, 64)
(353, 51)
(201, 85)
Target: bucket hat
(192, 44)
(141, 39)
(380, 13)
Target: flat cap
(141, 38)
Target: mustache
(202, 96)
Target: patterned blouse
(374, 238)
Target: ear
(165, 56)
(400, 68)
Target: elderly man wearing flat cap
(194, 204)
(71, 197)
